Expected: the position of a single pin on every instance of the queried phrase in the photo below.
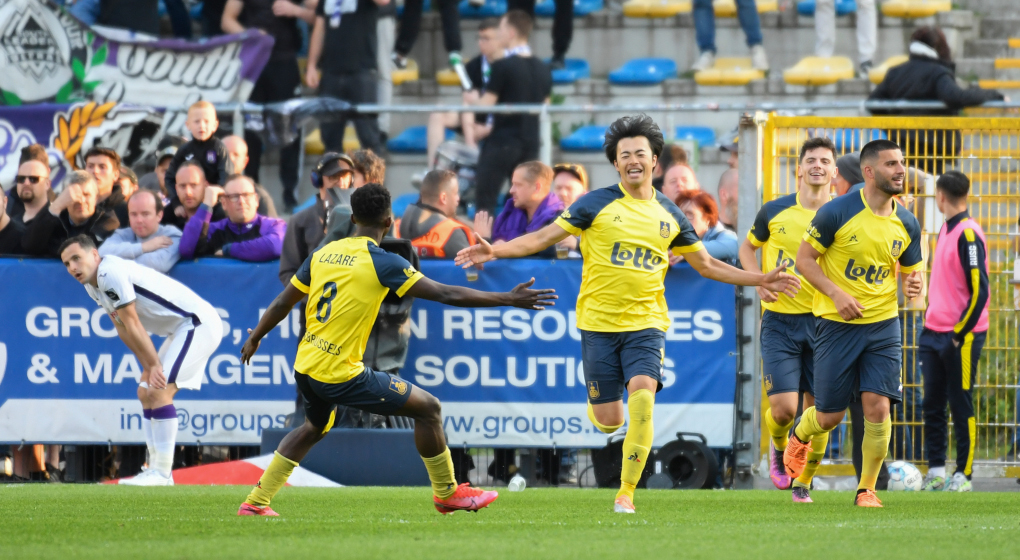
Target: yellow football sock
(272, 480)
(808, 426)
(440, 470)
(602, 427)
(780, 434)
(638, 441)
(814, 459)
(874, 449)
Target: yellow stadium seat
(1014, 43)
(877, 74)
(447, 77)
(408, 74)
(915, 8)
(1007, 63)
(728, 8)
(999, 84)
(351, 142)
(313, 143)
(818, 71)
(656, 8)
(729, 72)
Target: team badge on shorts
(397, 386)
(768, 383)
(593, 389)
(897, 247)
(664, 229)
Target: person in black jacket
(929, 75)
(74, 212)
(204, 149)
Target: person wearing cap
(849, 176)
(729, 146)
(128, 181)
(570, 181)
(672, 154)
(165, 151)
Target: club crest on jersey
(397, 386)
(112, 295)
(210, 156)
(565, 215)
(409, 271)
(593, 389)
(664, 229)
(897, 248)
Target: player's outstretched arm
(276, 312)
(750, 264)
(807, 263)
(521, 296)
(523, 246)
(131, 331)
(777, 280)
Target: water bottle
(517, 484)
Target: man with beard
(849, 254)
(31, 193)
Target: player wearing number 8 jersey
(346, 281)
(627, 233)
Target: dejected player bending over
(345, 282)
(141, 301)
(627, 231)
(849, 254)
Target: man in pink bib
(955, 327)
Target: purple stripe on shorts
(167, 412)
(180, 357)
(147, 413)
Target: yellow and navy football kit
(860, 251)
(787, 325)
(621, 307)
(346, 282)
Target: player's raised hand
(250, 347)
(913, 284)
(526, 298)
(780, 281)
(766, 295)
(847, 306)
(476, 254)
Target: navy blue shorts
(371, 391)
(612, 359)
(856, 358)
(787, 352)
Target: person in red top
(954, 333)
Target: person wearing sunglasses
(30, 194)
(76, 211)
(244, 235)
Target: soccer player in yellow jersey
(787, 324)
(627, 231)
(849, 254)
(345, 282)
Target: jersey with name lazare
(625, 243)
(859, 254)
(778, 229)
(346, 282)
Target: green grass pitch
(93, 521)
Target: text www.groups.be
(491, 427)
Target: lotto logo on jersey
(870, 275)
(782, 259)
(634, 256)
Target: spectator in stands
(849, 176)
(679, 177)
(146, 242)
(703, 214)
(704, 27)
(532, 204)
(517, 78)
(368, 168)
(280, 79)
(104, 165)
(12, 231)
(346, 32)
(237, 153)
(128, 182)
(570, 181)
(244, 235)
(431, 223)
(562, 29)
(212, 17)
(30, 195)
(867, 32)
(671, 154)
(74, 212)
(929, 75)
(190, 192)
(138, 16)
(410, 23)
(474, 126)
(728, 145)
(728, 192)
(204, 149)
(156, 180)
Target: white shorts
(185, 353)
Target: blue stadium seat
(413, 140)
(703, 135)
(401, 203)
(588, 138)
(491, 8)
(850, 140)
(426, 8)
(575, 69)
(547, 8)
(843, 7)
(644, 71)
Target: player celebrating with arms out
(345, 282)
(142, 301)
(849, 254)
(787, 325)
(627, 231)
